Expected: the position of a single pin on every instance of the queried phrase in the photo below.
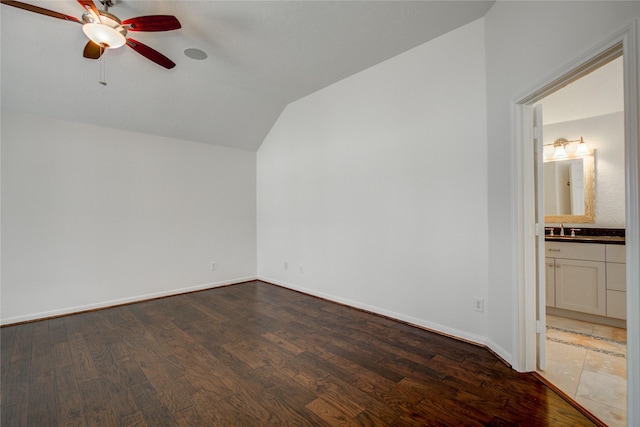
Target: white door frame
(524, 355)
(540, 261)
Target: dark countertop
(610, 240)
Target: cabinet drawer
(586, 251)
(617, 304)
(616, 253)
(616, 276)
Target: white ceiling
(261, 56)
(598, 93)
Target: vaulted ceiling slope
(262, 55)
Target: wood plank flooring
(255, 354)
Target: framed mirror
(569, 190)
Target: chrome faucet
(561, 230)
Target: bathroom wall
(605, 135)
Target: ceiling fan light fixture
(104, 35)
(106, 31)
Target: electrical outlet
(214, 266)
(478, 304)
(286, 265)
(302, 269)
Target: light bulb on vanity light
(560, 152)
(582, 149)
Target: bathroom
(584, 207)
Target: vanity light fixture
(560, 148)
(560, 151)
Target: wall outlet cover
(478, 304)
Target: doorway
(530, 231)
(583, 124)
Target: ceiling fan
(106, 31)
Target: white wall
(94, 216)
(376, 188)
(605, 135)
(526, 42)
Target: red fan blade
(90, 6)
(152, 23)
(151, 54)
(40, 10)
(92, 50)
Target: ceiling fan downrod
(108, 3)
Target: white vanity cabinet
(580, 276)
(586, 277)
(616, 282)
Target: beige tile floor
(588, 362)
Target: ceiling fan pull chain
(103, 69)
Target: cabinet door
(617, 304)
(581, 286)
(550, 281)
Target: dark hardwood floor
(255, 354)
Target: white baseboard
(455, 333)
(120, 301)
(500, 352)
(436, 327)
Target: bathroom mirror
(569, 190)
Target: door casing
(524, 354)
